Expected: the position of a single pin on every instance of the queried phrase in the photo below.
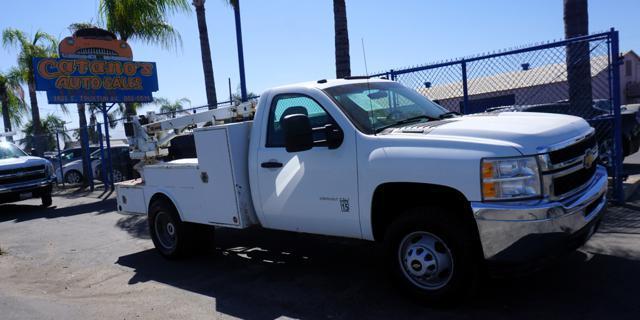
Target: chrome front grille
(19, 175)
(568, 167)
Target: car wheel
(431, 256)
(117, 176)
(73, 177)
(47, 200)
(169, 234)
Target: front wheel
(47, 200)
(430, 254)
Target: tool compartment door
(216, 188)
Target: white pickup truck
(372, 159)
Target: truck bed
(211, 189)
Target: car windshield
(376, 106)
(8, 150)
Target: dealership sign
(95, 81)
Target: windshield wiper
(449, 114)
(405, 121)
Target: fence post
(59, 158)
(103, 168)
(87, 155)
(616, 61)
(109, 176)
(465, 90)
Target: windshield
(378, 105)
(8, 150)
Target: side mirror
(298, 135)
(334, 135)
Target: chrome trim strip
(566, 143)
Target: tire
(431, 256)
(73, 177)
(117, 176)
(47, 200)
(173, 238)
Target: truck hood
(529, 133)
(21, 162)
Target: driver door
(313, 191)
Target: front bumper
(17, 192)
(523, 232)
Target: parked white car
(73, 172)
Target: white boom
(150, 141)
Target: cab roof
(328, 83)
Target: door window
(284, 105)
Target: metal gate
(578, 76)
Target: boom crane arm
(149, 141)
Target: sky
(287, 41)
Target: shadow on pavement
(24, 211)
(262, 274)
(135, 225)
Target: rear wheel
(431, 255)
(174, 238)
(117, 176)
(73, 177)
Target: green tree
(171, 107)
(12, 100)
(144, 21)
(49, 126)
(41, 45)
(341, 35)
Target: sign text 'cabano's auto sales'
(86, 81)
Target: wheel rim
(73, 177)
(117, 176)
(165, 231)
(425, 260)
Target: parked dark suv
(122, 164)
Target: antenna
(364, 56)
(366, 71)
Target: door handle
(271, 164)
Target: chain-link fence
(578, 77)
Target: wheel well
(161, 196)
(392, 200)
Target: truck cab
(374, 160)
(24, 177)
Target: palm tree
(41, 45)
(205, 52)
(171, 107)
(343, 62)
(143, 20)
(12, 99)
(82, 115)
(49, 125)
(576, 23)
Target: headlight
(510, 178)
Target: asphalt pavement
(82, 260)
